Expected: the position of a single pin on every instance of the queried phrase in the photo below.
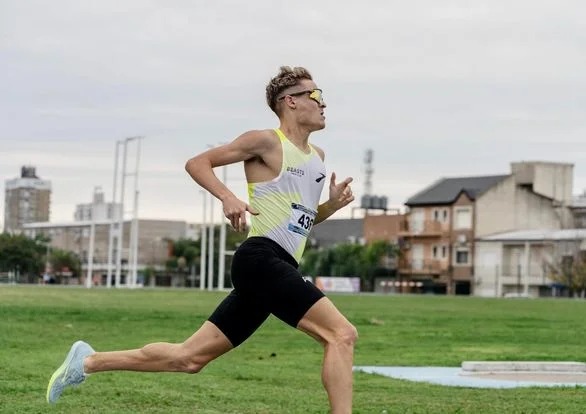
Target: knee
(346, 335)
(191, 364)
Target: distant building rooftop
(334, 231)
(447, 190)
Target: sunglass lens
(316, 95)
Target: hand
(340, 194)
(235, 211)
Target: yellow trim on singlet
(274, 199)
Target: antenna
(368, 200)
(368, 170)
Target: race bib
(302, 219)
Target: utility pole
(118, 233)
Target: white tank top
(287, 205)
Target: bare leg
(191, 356)
(324, 322)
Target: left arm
(340, 196)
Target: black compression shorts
(266, 280)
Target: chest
(288, 163)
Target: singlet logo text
(296, 171)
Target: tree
(376, 258)
(349, 259)
(570, 271)
(64, 262)
(186, 253)
(580, 276)
(188, 249)
(21, 255)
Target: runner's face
(309, 104)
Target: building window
(463, 219)
(444, 252)
(462, 257)
(440, 215)
(435, 251)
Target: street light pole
(203, 240)
(90, 256)
(211, 246)
(222, 255)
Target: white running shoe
(70, 373)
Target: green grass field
(278, 369)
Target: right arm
(249, 145)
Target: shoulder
(319, 151)
(256, 142)
(258, 138)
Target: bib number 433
(302, 219)
(305, 221)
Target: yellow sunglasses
(315, 94)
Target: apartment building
(98, 209)
(579, 211)
(438, 235)
(27, 199)
(382, 227)
(519, 263)
(520, 220)
(154, 242)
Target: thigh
(287, 294)
(261, 274)
(323, 321)
(238, 316)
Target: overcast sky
(434, 88)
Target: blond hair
(288, 76)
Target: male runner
(285, 175)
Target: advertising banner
(338, 284)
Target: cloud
(434, 88)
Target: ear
(290, 102)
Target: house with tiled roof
(438, 233)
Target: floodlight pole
(113, 218)
(133, 259)
(121, 217)
(133, 246)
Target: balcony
(422, 266)
(535, 271)
(426, 228)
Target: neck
(296, 133)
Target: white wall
(550, 179)
(508, 207)
(487, 260)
